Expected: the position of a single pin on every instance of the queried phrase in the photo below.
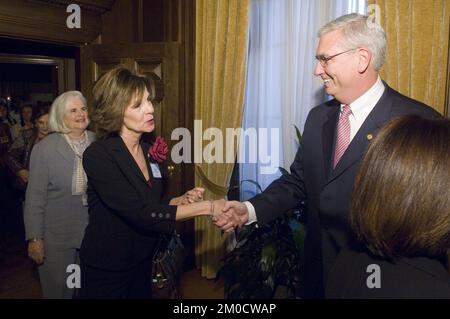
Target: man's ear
(365, 57)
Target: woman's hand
(192, 196)
(36, 251)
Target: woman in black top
(126, 216)
(400, 214)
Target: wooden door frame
(58, 63)
(447, 94)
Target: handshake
(227, 215)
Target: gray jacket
(51, 211)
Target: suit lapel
(126, 160)
(156, 182)
(129, 166)
(328, 136)
(375, 120)
(63, 148)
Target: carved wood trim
(61, 65)
(447, 96)
(28, 59)
(45, 21)
(97, 6)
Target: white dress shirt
(361, 108)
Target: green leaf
(299, 135)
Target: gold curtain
(220, 71)
(418, 45)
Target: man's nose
(318, 70)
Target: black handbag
(167, 268)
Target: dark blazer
(328, 192)
(412, 278)
(126, 217)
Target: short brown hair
(401, 196)
(113, 92)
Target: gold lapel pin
(369, 137)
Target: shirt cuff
(251, 213)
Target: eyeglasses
(323, 60)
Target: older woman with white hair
(56, 212)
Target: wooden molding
(447, 94)
(29, 59)
(46, 21)
(98, 6)
(61, 65)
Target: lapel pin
(369, 137)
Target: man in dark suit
(350, 52)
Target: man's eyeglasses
(323, 60)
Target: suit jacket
(328, 192)
(412, 278)
(51, 211)
(126, 218)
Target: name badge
(155, 170)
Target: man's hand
(36, 251)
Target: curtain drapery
(220, 63)
(281, 87)
(418, 45)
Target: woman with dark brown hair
(400, 214)
(19, 153)
(126, 213)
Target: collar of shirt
(363, 105)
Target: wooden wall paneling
(447, 98)
(87, 72)
(46, 21)
(172, 20)
(103, 65)
(187, 67)
(153, 20)
(157, 60)
(186, 37)
(120, 25)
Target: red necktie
(343, 134)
